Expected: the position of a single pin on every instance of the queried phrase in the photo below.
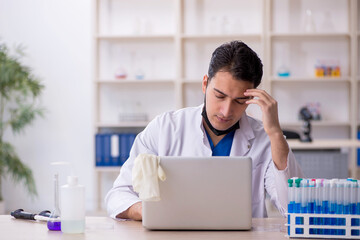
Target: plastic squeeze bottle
(72, 205)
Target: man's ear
(205, 83)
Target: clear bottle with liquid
(54, 222)
(72, 206)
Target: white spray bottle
(72, 206)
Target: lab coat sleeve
(122, 195)
(276, 182)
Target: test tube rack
(334, 226)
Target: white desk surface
(104, 228)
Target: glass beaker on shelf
(139, 74)
(309, 25)
(283, 71)
(120, 73)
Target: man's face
(225, 99)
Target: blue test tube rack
(299, 226)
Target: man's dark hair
(239, 60)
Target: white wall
(58, 36)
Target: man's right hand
(133, 212)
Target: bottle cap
(326, 183)
(312, 183)
(297, 182)
(72, 180)
(290, 182)
(333, 182)
(304, 183)
(340, 183)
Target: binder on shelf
(124, 154)
(115, 156)
(99, 161)
(113, 149)
(130, 138)
(107, 149)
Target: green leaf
(15, 168)
(23, 116)
(19, 91)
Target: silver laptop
(202, 193)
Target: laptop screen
(202, 193)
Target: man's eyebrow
(239, 98)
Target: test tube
(333, 203)
(297, 208)
(318, 195)
(311, 197)
(304, 195)
(318, 202)
(340, 200)
(291, 199)
(358, 199)
(333, 195)
(346, 196)
(339, 197)
(353, 196)
(326, 197)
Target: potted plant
(19, 94)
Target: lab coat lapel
(242, 138)
(201, 135)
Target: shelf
(184, 47)
(108, 169)
(122, 124)
(135, 37)
(192, 81)
(310, 35)
(310, 79)
(324, 144)
(220, 37)
(317, 123)
(135, 81)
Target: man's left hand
(269, 110)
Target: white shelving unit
(169, 42)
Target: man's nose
(226, 108)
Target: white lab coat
(181, 133)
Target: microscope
(306, 116)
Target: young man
(219, 127)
